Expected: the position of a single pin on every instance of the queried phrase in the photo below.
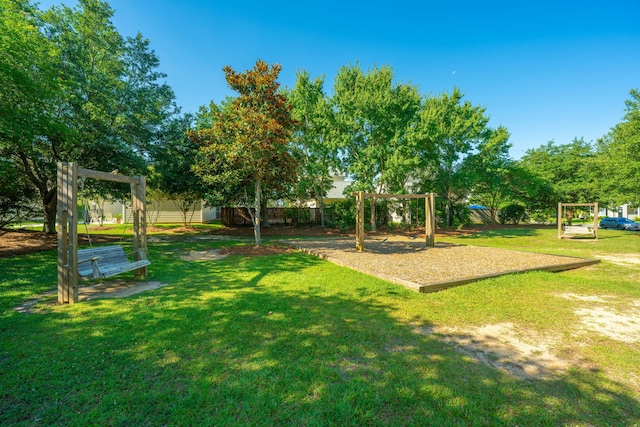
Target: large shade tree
(372, 116)
(82, 93)
(567, 168)
(247, 150)
(456, 147)
(314, 152)
(618, 158)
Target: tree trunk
(257, 218)
(321, 206)
(447, 214)
(373, 214)
(50, 210)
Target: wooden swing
(566, 230)
(99, 262)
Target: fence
(239, 217)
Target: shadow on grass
(267, 341)
(507, 233)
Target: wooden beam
(392, 196)
(106, 176)
(578, 204)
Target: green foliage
(172, 173)
(79, 91)
(567, 169)
(18, 198)
(514, 214)
(314, 153)
(618, 158)
(247, 150)
(342, 214)
(372, 117)
(457, 149)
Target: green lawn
(293, 340)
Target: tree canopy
(247, 150)
(79, 91)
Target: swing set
(429, 222)
(102, 261)
(569, 230)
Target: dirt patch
(109, 289)
(251, 250)
(625, 260)
(526, 354)
(520, 353)
(210, 255)
(621, 323)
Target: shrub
(513, 214)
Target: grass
(293, 340)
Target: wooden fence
(239, 217)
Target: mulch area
(406, 260)
(20, 242)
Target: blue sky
(546, 70)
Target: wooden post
(429, 219)
(360, 221)
(67, 199)
(138, 195)
(595, 220)
(374, 226)
(560, 220)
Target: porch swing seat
(106, 261)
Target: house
(624, 211)
(157, 211)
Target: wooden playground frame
(594, 233)
(67, 197)
(430, 219)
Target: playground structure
(68, 264)
(570, 230)
(430, 221)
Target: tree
(453, 140)
(618, 157)
(247, 150)
(97, 101)
(566, 168)
(371, 120)
(18, 199)
(314, 153)
(173, 159)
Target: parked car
(620, 224)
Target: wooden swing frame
(594, 232)
(430, 218)
(67, 197)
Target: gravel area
(406, 261)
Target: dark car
(620, 224)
